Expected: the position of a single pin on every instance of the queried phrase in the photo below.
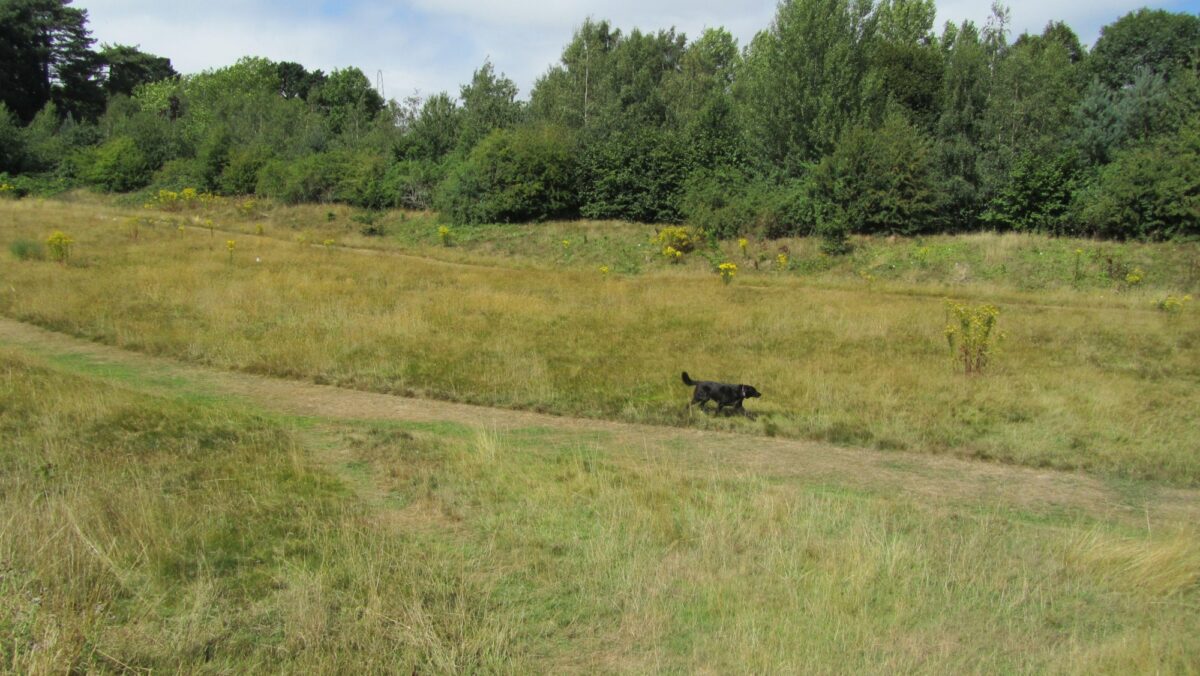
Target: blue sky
(428, 46)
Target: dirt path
(923, 476)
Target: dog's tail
(687, 380)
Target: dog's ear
(743, 388)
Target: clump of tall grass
(27, 249)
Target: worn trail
(927, 477)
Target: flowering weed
(59, 245)
(970, 333)
(727, 271)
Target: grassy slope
(1091, 378)
(181, 533)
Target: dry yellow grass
(160, 533)
(1106, 386)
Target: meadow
(153, 521)
(1090, 369)
(153, 525)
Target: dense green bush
(179, 174)
(411, 184)
(522, 174)
(726, 203)
(116, 166)
(879, 180)
(635, 175)
(1036, 195)
(1150, 192)
(361, 179)
(313, 178)
(12, 141)
(240, 175)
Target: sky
(426, 46)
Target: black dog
(722, 393)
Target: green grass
(1083, 379)
(154, 532)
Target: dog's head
(748, 391)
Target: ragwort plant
(970, 334)
(727, 271)
(59, 245)
(675, 240)
(1172, 305)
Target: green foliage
(726, 204)
(1154, 39)
(1034, 91)
(489, 103)
(117, 166)
(435, 130)
(12, 141)
(805, 78)
(411, 184)
(878, 181)
(178, 174)
(313, 178)
(370, 223)
(360, 179)
(127, 67)
(1150, 192)
(156, 138)
(240, 174)
(842, 116)
(959, 128)
(27, 250)
(635, 175)
(1036, 195)
(527, 173)
(45, 55)
(346, 100)
(295, 81)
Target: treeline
(842, 116)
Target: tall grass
(144, 532)
(1100, 387)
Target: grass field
(151, 526)
(153, 520)
(1095, 378)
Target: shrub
(117, 166)
(27, 250)
(878, 181)
(59, 245)
(1172, 305)
(313, 178)
(677, 237)
(1035, 196)
(727, 271)
(12, 141)
(513, 175)
(411, 184)
(635, 176)
(175, 175)
(369, 223)
(1152, 192)
(240, 175)
(970, 334)
(361, 180)
(726, 203)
